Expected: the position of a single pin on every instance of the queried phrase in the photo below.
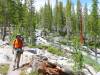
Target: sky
(40, 3)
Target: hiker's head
(18, 36)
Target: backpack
(18, 50)
(17, 43)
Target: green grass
(50, 49)
(42, 47)
(64, 42)
(32, 46)
(32, 73)
(56, 51)
(93, 63)
(4, 69)
(38, 46)
(22, 73)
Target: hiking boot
(17, 67)
(14, 68)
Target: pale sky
(40, 3)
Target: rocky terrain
(33, 59)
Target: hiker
(17, 51)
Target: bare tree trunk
(5, 23)
(4, 33)
(81, 29)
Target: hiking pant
(17, 56)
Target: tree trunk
(81, 29)
(4, 34)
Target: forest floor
(15, 72)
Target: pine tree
(16, 14)
(46, 18)
(73, 19)
(4, 18)
(32, 22)
(79, 22)
(56, 16)
(78, 16)
(68, 8)
(94, 24)
(1, 12)
(94, 13)
(59, 17)
(68, 19)
(85, 23)
(49, 16)
(19, 17)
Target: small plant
(77, 56)
(78, 59)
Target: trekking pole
(22, 55)
(13, 53)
